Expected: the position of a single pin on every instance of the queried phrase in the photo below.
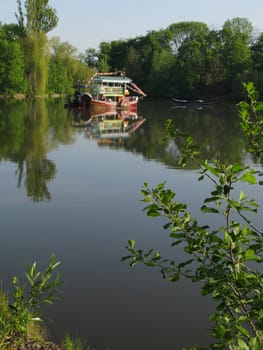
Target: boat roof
(110, 79)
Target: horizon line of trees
(186, 60)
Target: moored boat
(107, 91)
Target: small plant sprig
(227, 261)
(18, 319)
(43, 287)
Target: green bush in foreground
(228, 260)
(20, 318)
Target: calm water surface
(69, 189)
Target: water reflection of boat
(109, 126)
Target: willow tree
(35, 22)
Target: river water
(72, 187)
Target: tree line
(185, 60)
(188, 59)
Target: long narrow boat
(191, 103)
(107, 91)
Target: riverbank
(34, 345)
(24, 96)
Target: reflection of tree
(28, 131)
(214, 130)
(12, 127)
(33, 166)
(37, 174)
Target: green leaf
(157, 256)
(242, 196)
(185, 263)
(241, 344)
(206, 209)
(237, 168)
(250, 255)
(124, 258)
(30, 280)
(147, 198)
(259, 106)
(211, 199)
(174, 278)
(208, 167)
(249, 178)
(131, 243)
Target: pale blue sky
(85, 23)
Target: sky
(86, 23)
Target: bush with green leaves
(20, 318)
(227, 260)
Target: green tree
(257, 63)
(36, 63)
(185, 30)
(236, 36)
(257, 53)
(65, 67)
(90, 57)
(240, 26)
(38, 19)
(191, 45)
(12, 78)
(104, 51)
(160, 61)
(214, 75)
(39, 16)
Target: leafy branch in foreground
(228, 260)
(252, 121)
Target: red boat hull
(97, 106)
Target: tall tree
(236, 35)
(240, 26)
(189, 45)
(257, 53)
(65, 68)
(90, 57)
(37, 20)
(185, 30)
(214, 74)
(39, 16)
(12, 79)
